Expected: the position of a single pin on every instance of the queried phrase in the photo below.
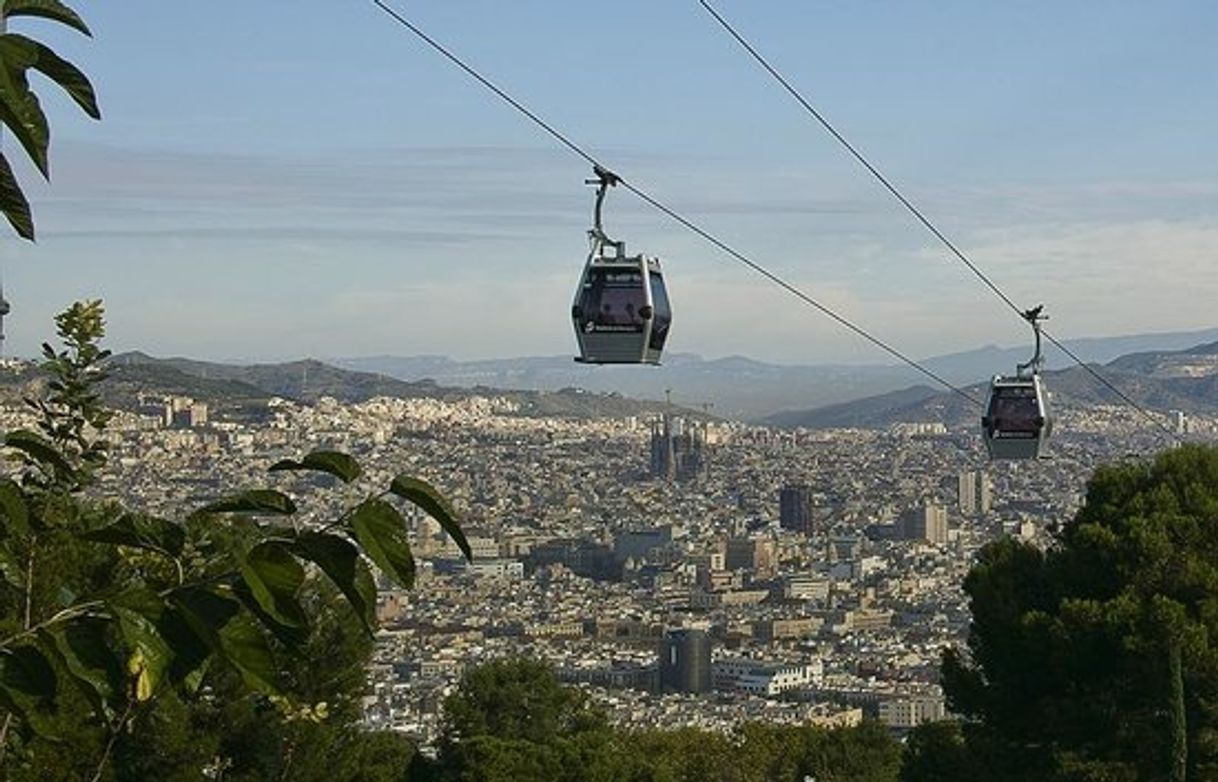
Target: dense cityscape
(683, 570)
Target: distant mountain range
(1185, 380)
(236, 386)
(814, 396)
(743, 388)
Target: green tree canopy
(516, 699)
(936, 752)
(1098, 659)
(512, 721)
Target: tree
(512, 721)
(257, 738)
(518, 699)
(936, 752)
(20, 110)
(104, 612)
(1098, 659)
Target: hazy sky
(278, 178)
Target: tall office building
(685, 661)
(678, 449)
(756, 555)
(973, 492)
(795, 509)
(928, 523)
(5, 309)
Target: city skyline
(243, 205)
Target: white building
(912, 711)
(761, 678)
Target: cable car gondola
(621, 311)
(1017, 423)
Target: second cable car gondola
(1018, 422)
(621, 311)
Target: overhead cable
(667, 210)
(913, 210)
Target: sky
(279, 179)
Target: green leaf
(336, 463)
(19, 106)
(254, 501)
(46, 9)
(14, 203)
(27, 53)
(220, 623)
(14, 509)
(11, 569)
(194, 680)
(291, 636)
(381, 531)
(25, 670)
(65, 597)
(246, 649)
(27, 687)
(274, 577)
(141, 600)
(139, 531)
(424, 495)
(38, 449)
(190, 652)
(341, 562)
(149, 656)
(81, 646)
(191, 626)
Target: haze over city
(274, 181)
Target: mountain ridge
(307, 380)
(750, 389)
(1139, 376)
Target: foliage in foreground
(112, 619)
(20, 111)
(511, 721)
(1098, 660)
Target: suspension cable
(917, 213)
(667, 210)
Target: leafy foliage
(517, 699)
(20, 110)
(1098, 659)
(340, 465)
(936, 752)
(124, 610)
(511, 721)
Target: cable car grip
(604, 179)
(1033, 316)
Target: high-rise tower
(795, 508)
(4, 310)
(685, 661)
(974, 492)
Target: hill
(745, 388)
(1185, 380)
(241, 387)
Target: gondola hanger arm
(604, 179)
(1034, 317)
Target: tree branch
(29, 583)
(68, 613)
(351, 511)
(114, 733)
(8, 720)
